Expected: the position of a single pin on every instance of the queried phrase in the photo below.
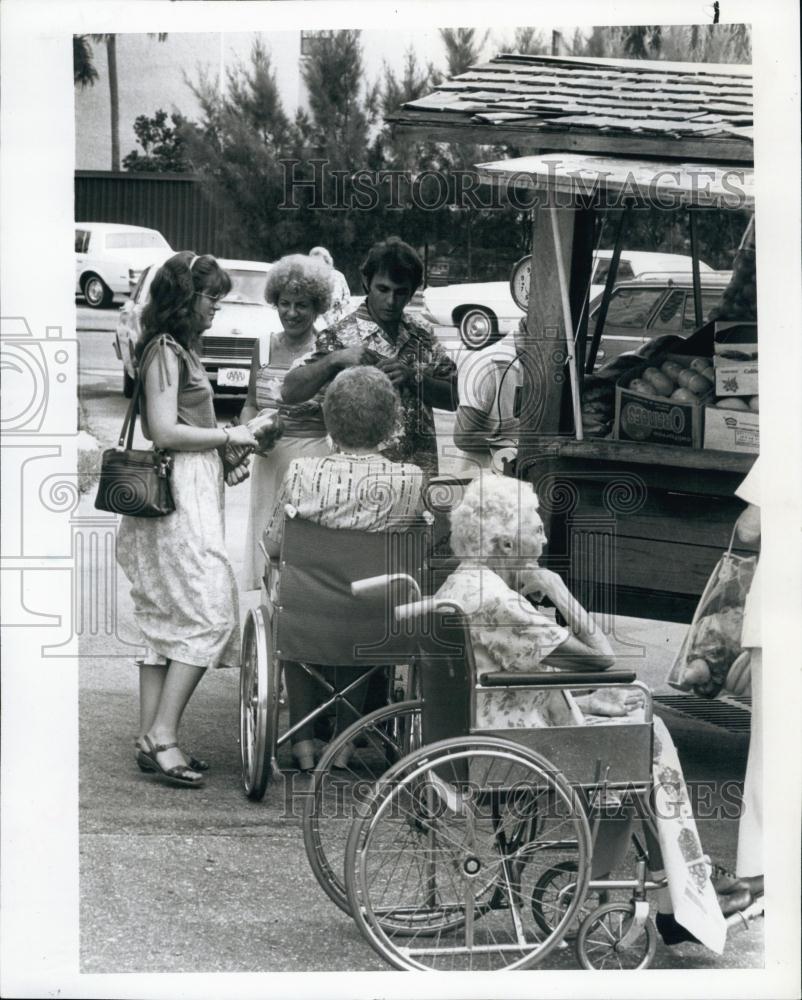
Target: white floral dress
(182, 582)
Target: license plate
(234, 377)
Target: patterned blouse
(507, 633)
(303, 420)
(360, 492)
(414, 439)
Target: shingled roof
(618, 106)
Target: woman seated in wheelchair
(497, 533)
(354, 488)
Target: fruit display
(689, 382)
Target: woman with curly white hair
(498, 535)
(300, 289)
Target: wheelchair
(309, 616)
(489, 850)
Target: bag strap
(130, 417)
(134, 406)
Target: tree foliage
(163, 144)
(463, 48)
(84, 73)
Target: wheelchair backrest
(318, 620)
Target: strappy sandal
(194, 763)
(180, 774)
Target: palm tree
(85, 73)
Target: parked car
(650, 307)
(109, 259)
(226, 347)
(485, 311)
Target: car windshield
(247, 286)
(632, 306)
(134, 241)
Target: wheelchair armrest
(374, 586)
(558, 678)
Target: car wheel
(478, 328)
(128, 385)
(97, 293)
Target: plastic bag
(713, 641)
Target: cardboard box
(656, 419)
(737, 378)
(731, 430)
(734, 340)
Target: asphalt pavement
(202, 880)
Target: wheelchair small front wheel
(610, 939)
(259, 701)
(552, 894)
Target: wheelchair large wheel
(259, 703)
(380, 739)
(608, 939)
(442, 861)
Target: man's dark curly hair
(360, 408)
(396, 259)
(172, 297)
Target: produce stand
(635, 527)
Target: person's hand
(537, 583)
(240, 435)
(611, 702)
(399, 373)
(739, 676)
(350, 357)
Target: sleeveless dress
(304, 437)
(182, 583)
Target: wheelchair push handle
(558, 678)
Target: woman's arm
(747, 527)
(587, 648)
(161, 399)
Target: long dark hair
(171, 302)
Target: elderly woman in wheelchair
(355, 489)
(498, 534)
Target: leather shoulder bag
(135, 482)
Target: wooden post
(543, 345)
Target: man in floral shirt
(380, 333)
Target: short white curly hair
(493, 508)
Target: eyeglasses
(212, 298)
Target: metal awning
(609, 180)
